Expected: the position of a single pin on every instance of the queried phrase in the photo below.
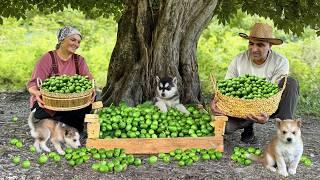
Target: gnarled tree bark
(160, 42)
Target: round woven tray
(237, 107)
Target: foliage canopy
(288, 15)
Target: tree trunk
(157, 42)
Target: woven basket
(237, 107)
(66, 102)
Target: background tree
(159, 37)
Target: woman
(61, 61)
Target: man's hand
(215, 110)
(261, 119)
(93, 98)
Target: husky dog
(58, 132)
(168, 95)
(285, 149)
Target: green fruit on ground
(118, 168)
(68, 156)
(181, 163)
(68, 151)
(166, 159)
(247, 162)
(52, 154)
(110, 166)
(95, 166)
(103, 168)
(303, 158)
(14, 119)
(205, 156)
(251, 149)
(218, 155)
(307, 162)
(32, 149)
(42, 159)
(195, 158)
(19, 144)
(153, 160)
(161, 155)
(15, 160)
(137, 162)
(258, 152)
(25, 164)
(96, 156)
(130, 159)
(71, 162)
(13, 141)
(56, 158)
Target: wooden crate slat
(156, 145)
(97, 105)
(91, 118)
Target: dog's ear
(278, 121)
(157, 79)
(299, 122)
(66, 133)
(174, 80)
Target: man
(260, 60)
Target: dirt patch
(16, 104)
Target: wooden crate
(154, 145)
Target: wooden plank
(91, 118)
(97, 105)
(219, 125)
(157, 145)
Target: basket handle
(39, 82)
(213, 81)
(93, 83)
(285, 82)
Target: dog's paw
(272, 169)
(61, 152)
(46, 149)
(162, 106)
(292, 171)
(39, 150)
(283, 173)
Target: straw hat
(262, 32)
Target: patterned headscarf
(66, 32)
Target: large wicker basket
(66, 102)
(237, 107)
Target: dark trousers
(286, 109)
(73, 118)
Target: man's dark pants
(286, 109)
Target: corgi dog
(168, 95)
(284, 151)
(57, 132)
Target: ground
(16, 104)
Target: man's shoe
(247, 136)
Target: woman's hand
(39, 99)
(35, 91)
(261, 119)
(215, 110)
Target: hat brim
(273, 41)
